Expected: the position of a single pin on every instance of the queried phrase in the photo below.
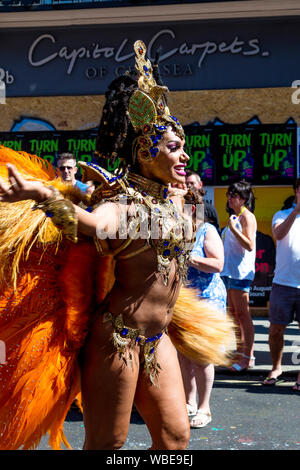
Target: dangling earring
(143, 155)
(141, 149)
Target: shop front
(233, 84)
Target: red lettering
(259, 254)
(262, 267)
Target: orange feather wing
(47, 295)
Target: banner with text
(261, 154)
(264, 154)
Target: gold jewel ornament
(124, 338)
(135, 115)
(155, 213)
(148, 110)
(157, 218)
(62, 213)
(166, 226)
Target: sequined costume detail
(125, 338)
(158, 220)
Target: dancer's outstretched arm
(18, 189)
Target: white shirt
(239, 263)
(287, 268)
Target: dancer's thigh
(163, 407)
(108, 388)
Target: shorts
(238, 284)
(284, 304)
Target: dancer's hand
(19, 189)
(178, 189)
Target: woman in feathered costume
(89, 300)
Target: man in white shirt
(285, 294)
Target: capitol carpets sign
(118, 54)
(193, 55)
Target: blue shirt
(82, 186)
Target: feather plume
(47, 296)
(200, 332)
(30, 166)
(20, 227)
(43, 324)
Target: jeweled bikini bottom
(124, 338)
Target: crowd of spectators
(222, 270)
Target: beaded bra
(157, 218)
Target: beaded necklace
(164, 225)
(168, 237)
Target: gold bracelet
(62, 213)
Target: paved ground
(246, 415)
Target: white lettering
(32, 50)
(235, 47)
(209, 48)
(296, 93)
(6, 78)
(123, 460)
(118, 57)
(172, 459)
(158, 41)
(72, 56)
(9, 78)
(152, 42)
(255, 44)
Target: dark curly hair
(115, 129)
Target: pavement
(246, 415)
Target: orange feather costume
(49, 289)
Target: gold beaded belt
(125, 337)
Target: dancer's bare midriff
(140, 294)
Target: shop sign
(194, 55)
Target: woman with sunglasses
(239, 238)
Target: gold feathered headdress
(136, 113)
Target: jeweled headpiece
(141, 103)
(148, 110)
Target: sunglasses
(231, 194)
(62, 168)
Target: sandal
(201, 419)
(272, 381)
(296, 387)
(238, 368)
(190, 410)
(251, 358)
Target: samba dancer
(128, 357)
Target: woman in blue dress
(206, 262)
